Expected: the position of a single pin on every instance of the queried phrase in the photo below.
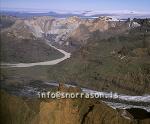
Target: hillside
(69, 33)
(6, 21)
(16, 50)
(119, 63)
(68, 111)
(106, 55)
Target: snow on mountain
(119, 14)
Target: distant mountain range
(82, 14)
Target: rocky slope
(66, 111)
(68, 32)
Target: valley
(97, 55)
(106, 55)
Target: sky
(74, 5)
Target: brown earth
(15, 110)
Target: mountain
(69, 33)
(120, 14)
(109, 53)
